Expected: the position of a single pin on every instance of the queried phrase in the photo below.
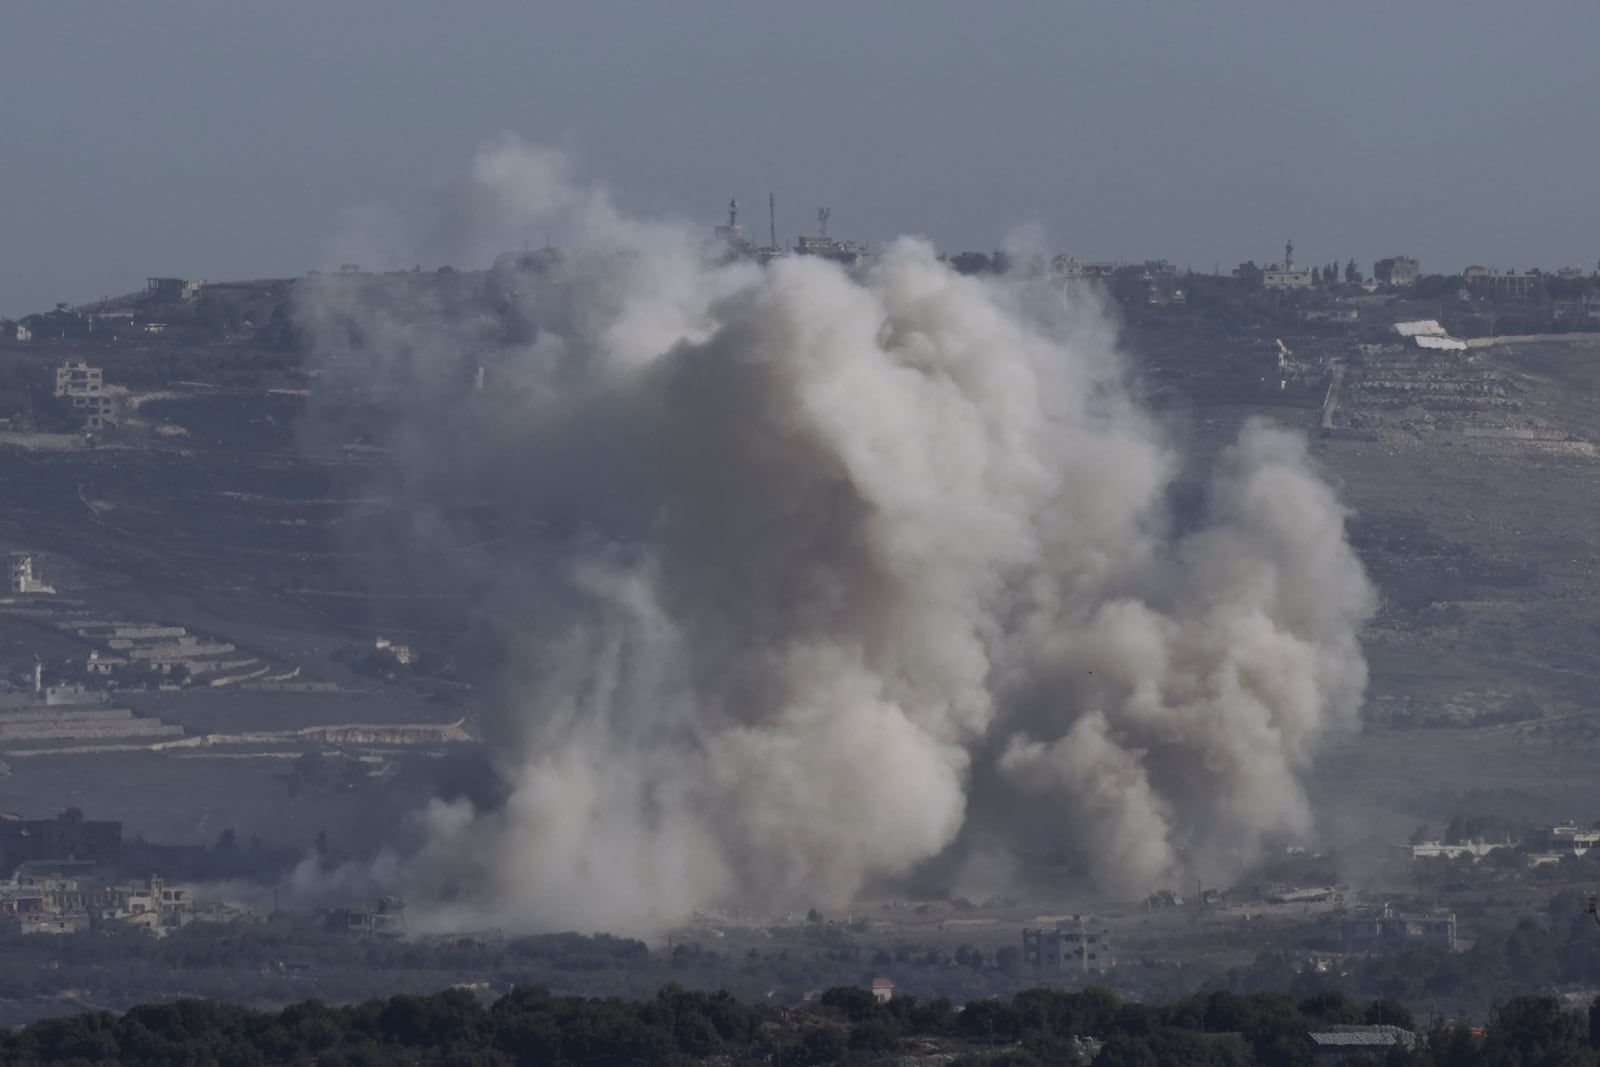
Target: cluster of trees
(1330, 274)
(295, 956)
(845, 1025)
(27, 383)
(291, 957)
(979, 263)
(27, 389)
(1560, 951)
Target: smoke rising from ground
(802, 580)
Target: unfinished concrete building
(1076, 944)
(84, 386)
(24, 580)
(1389, 930)
(388, 918)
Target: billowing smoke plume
(804, 580)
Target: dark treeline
(293, 958)
(846, 1025)
(290, 958)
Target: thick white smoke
(807, 579)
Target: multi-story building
(389, 917)
(1500, 283)
(1284, 278)
(1275, 275)
(23, 579)
(174, 288)
(1397, 270)
(1566, 838)
(53, 903)
(77, 378)
(1074, 945)
(1388, 930)
(68, 837)
(1476, 849)
(85, 387)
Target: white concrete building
(23, 579)
(1284, 278)
(77, 378)
(1566, 839)
(401, 653)
(85, 387)
(1439, 850)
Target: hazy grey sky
(226, 140)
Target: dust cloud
(799, 581)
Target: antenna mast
(772, 219)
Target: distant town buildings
(174, 289)
(820, 244)
(731, 241)
(65, 902)
(401, 654)
(732, 234)
(1286, 278)
(1476, 850)
(1071, 268)
(1322, 894)
(1510, 284)
(1564, 838)
(883, 990)
(162, 650)
(1276, 275)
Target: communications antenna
(772, 220)
(823, 215)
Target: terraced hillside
(1470, 476)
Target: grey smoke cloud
(809, 580)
